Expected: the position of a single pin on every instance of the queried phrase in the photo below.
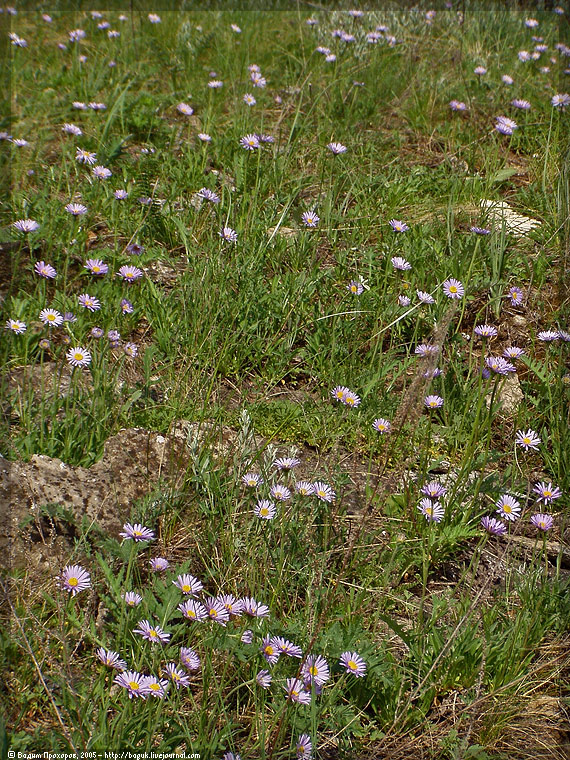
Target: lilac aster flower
(404, 300)
(227, 234)
(233, 606)
(74, 579)
(324, 492)
(51, 317)
(457, 105)
(433, 489)
(310, 219)
(548, 335)
(270, 650)
(398, 226)
(354, 287)
(85, 157)
(527, 440)
(204, 137)
(216, 610)
(513, 352)
(154, 18)
(280, 492)
(189, 659)
(249, 99)
(185, 109)
(480, 70)
(126, 306)
(542, 522)
(287, 647)
(504, 125)
(17, 327)
(524, 105)
(499, 366)
(120, 194)
(135, 249)
(304, 488)
(265, 509)
(137, 532)
(157, 687)
(432, 511)
(264, 679)
(101, 172)
(153, 633)
(97, 332)
(508, 507)
(453, 288)
(560, 100)
(215, 84)
(252, 480)
(433, 402)
(547, 492)
(209, 195)
(339, 392)
(353, 663)
(96, 266)
(89, 302)
(381, 425)
(26, 225)
(247, 637)
(159, 564)
(130, 273)
(188, 584)
(426, 349)
(480, 230)
(193, 610)
(516, 295)
(76, 209)
(257, 80)
(253, 608)
(78, 357)
(315, 670)
(134, 683)
(485, 331)
(399, 262)
(296, 692)
(286, 463)
(493, 526)
(131, 598)
(506, 79)
(304, 747)
(336, 148)
(111, 659)
(524, 56)
(563, 335)
(131, 349)
(45, 270)
(249, 142)
(425, 297)
(177, 676)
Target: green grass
(249, 339)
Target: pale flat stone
(500, 212)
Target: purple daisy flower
(453, 289)
(425, 297)
(26, 225)
(353, 663)
(228, 234)
(189, 659)
(85, 157)
(130, 273)
(560, 100)
(111, 659)
(506, 79)
(101, 172)
(339, 392)
(45, 270)
(16, 326)
(336, 148)
(157, 687)
(96, 266)
(508, 507)
(209, 195)
(249, 142)
(315, 670)
(188, 584)
(51, 317)
(542, 522)
(485, 331)
(253, 608)
(137, 532)
(288, 648)
(499, 366)
(493, 526)
(76, 209)
(252, 480)
(504, 125)
(233, 605)
(265, 509)
(89, 302)
(78, 357)
(480, 230)
(432, 511)
(296, 691)
(382, 426)
(433, 402)
(127, 307)
(153, 633)
(398, 226)
(135, 249)
(270, 650)
(185, 109)
(354, 287)
(457, 105)
(513, 352)
(548, 335)
(74, 578)
(131, 598)
(399, 262)
(264, 679)
(304, 747)
(547, 492)
(310, 219)
(324, 492)
(247, 637)
(279, 492)
(120, 194)
(304, 488)
(134, 683)
(177, 676)
(516, 296)
(216, 610)
(404, 300)
(193, 610)
(527, 440)
(433, 489)
(159, 564)
(524, 105)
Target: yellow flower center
(452, 289)
(213, 612)
(77, 356)
(186, 588)
(191, 613)
(264, 511)
(153, 634)
(352, 665)
(72, 581)
(134, 685)
(526, 439)
(547, 493)
(313, 670)
(154, 686)
(507, 508)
